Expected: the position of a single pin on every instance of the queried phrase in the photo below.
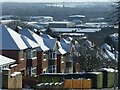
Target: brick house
(42, 50)
(68, 47)
(8, 80)
(31, 64)
(5, 62)
(61, 61)
(52, 54)
(13, 47)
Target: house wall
(16, 55)
(69, 64)
(61, 66)
(41, 64)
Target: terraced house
(13, 47)
(42, 50)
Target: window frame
(21, 55)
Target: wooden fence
(77, 83)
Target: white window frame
(35, 54)
(31, 52)
(22, 55)
(53, 68)
(30, 71)
(53, 55)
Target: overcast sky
(57, 0)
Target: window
(44, 56)
(53, 55)
(52, 69)
(21, 55)
(31, 54)
(32, 71)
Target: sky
(57, 0)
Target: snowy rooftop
(80, 16)
(36, 38)
(29, 42)
(11, 40)
(5, 60)
(107, 69)
(50, 43)
(59, 22)
(46, 36)
(75, 30)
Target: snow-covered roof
(87, 43)
(107, 69)
(80, 16)
(76, 30)
(59, 22)
(29, 42)
(33, 36)
(46, 36)
(5, 60)
(106, 46)
(106, 54)
(67, 47)
(11, 40)
(61, 51)
(15, 74)
(63, 40)
(114, 36)
(69, 38)
(50, 43)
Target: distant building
(77, 19)
(41, 18)
(60, 24)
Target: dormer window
(21, 55)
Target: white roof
(106, 46)
(59, 22)
(29, 42)
(76, 30)
(69, 39)
(33, 36)
(5, 60)
(11, 40)
(61, 51)
(80, 16)
(15, 73)
(107, 69)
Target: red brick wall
(41, 64)
(58, 64)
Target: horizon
(53, 1)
